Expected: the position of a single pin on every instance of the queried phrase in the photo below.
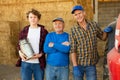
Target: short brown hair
(35, 12)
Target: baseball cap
(58, 19)
(77, 7)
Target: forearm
(74, 59)
(62, 48)
(49, 49)
(105, 35)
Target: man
(57, 49)
(83, 38)
(36, 34)
(109, 45)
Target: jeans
(31, 69)
(90, 73)
(57, 73)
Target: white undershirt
(34, 38)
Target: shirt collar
(78, 26)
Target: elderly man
(57, 49)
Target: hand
(108, 29)
(76, 71)
(35, 56)
(51, 44)
(66, 43)
(22, 55)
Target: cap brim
(75, 10)
(57, 20)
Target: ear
(63, 25)
(84, 13)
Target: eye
(30, 17)
(35, 16)
(75, 14)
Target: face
(58, 26)
(33, 19)
(79, 15)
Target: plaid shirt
(23, 34)
(84, 43)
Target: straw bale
(4, 28)
(47, 8)
(29, 1)
(7, 1)
(10, 13)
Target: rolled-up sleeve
(73, 41)
(99, 31)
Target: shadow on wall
(14, 34)
(9, 38)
